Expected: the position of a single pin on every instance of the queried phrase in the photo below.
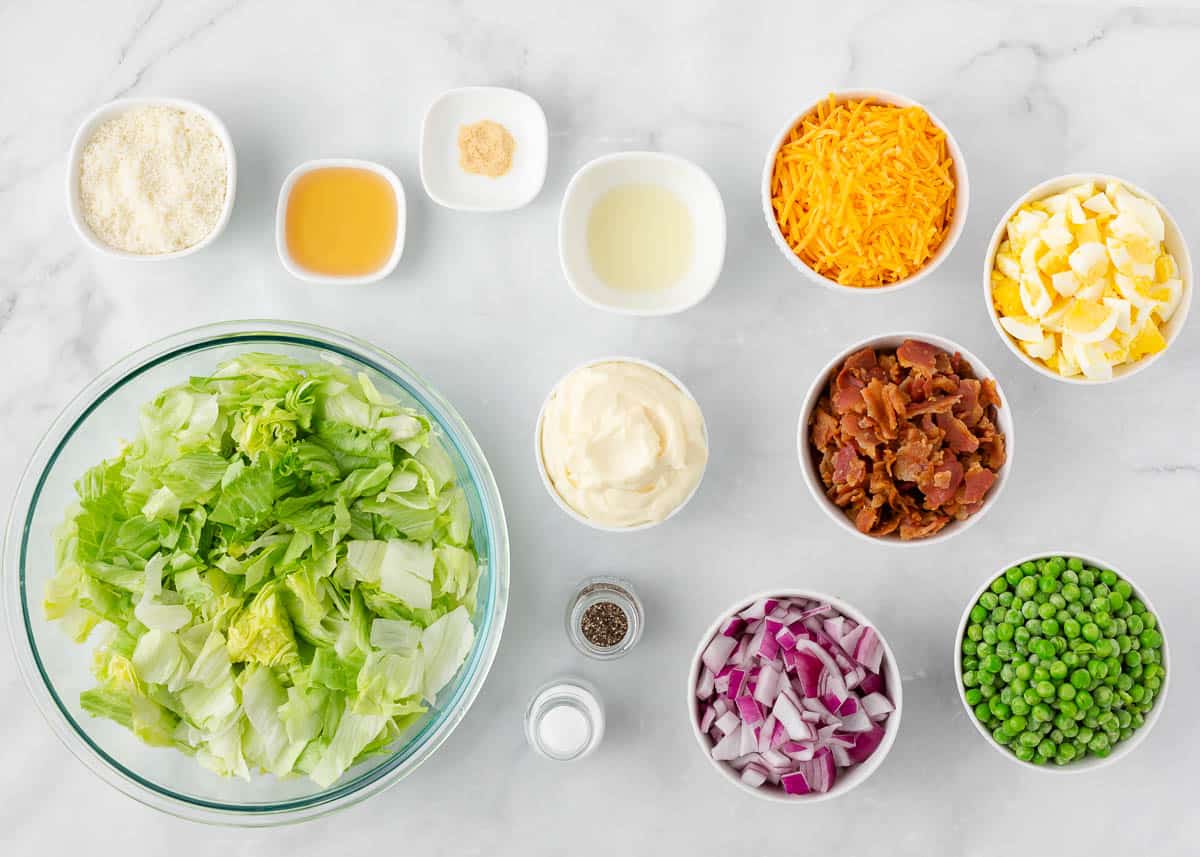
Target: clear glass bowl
(56, 669)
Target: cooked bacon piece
(824, 429)
(879, 408)
(865, 518)
(968, 408)
(906, 440)
(988, 397)
(939, 405)
(859, 430)
(913, 457)
(862, 360)
(917, 355)
(847, 391)
(940, 483)
(924, 528)
(977, 483)
(958, 436)
(848, 468)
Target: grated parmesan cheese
(153, 180)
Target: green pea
(1075, 564)
(1103, 697)
(1091, 632)
(1064, 754)
(973, 696)
(983, 649)
(1123, 587)
(1084, 700)
(1025, 754)
(982, 712)
(1050, 626)
(989, 634)
(999, 584)
(1031, 696)
(1018, 705)
(1071, 659)
(1067, 708)
(1087, 577)
(991, 664)
(1014, 575)
(988, 600)
(1098, 745)
(1029, 739)
(1066, 691)
(1070, 628)
(1135, 624)
(1105, 648)
(1024, 670)
(1081, 679)
(1041, 713)
(1098, 669)
(1027, 587)
(1115, 601)
(1150, 638)
(970, 679)
(1004, 631)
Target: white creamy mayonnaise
(622, 444)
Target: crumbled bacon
(906, 440)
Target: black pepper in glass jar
(605, 617)
(604, 624)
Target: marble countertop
(1112, 471)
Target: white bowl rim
(113, 108)
(1088, 763)
(541, 464)
(1056, 185)
(1004, 420)
(895, 688)
(476, 207)
(285, 192)
(702, 177)
(962, 188)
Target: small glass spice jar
(605, 617)
(565, 720)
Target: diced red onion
(790, 691)
(736, 677)
(734, 627)
(795, 783)
(726, 749)
(749, 741)
(727, 722)
(754, 775)
(877, 705)
(869, 650)
(749, 710)
(718, 652)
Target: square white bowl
(302, 273)
(113, 109)
(680, 176)
(448, 184)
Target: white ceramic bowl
(1088, 763)
(446, 182)
(812, 475)
(113, 109)
(1175, 243)
(958, 220)
(848, 778)
(694, 188)
(541, 464)
(285, 191)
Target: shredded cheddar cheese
(864, 192)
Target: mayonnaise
(622, 444)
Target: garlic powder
(153, 180)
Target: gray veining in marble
(1030, 92)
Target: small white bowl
(847, 779)
(694, 188)
(113, 109)
(285, 191)
(1088, 763)
(962, 192)
(1175, 243)
(541, 464)
(446, 182)
(812, 475)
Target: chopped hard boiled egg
(1083, 280)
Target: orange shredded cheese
(863, 192)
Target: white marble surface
(479, 306)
